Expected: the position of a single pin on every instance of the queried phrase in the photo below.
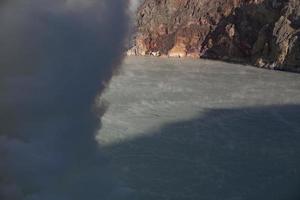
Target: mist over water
(56, 56)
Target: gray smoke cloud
(55, 57)
(134, 4)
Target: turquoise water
(190, 129)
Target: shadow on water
(244, 153)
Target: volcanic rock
(263, 32)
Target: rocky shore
(265, 33)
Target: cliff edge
(262, 32)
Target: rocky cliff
(263, 32)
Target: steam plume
(55, 56)
(134, 4)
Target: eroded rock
(262, 32)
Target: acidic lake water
(181, 129)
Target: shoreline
(231, 61)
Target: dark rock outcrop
(263, 32)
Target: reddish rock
(263, 32)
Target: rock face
(263, 32)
